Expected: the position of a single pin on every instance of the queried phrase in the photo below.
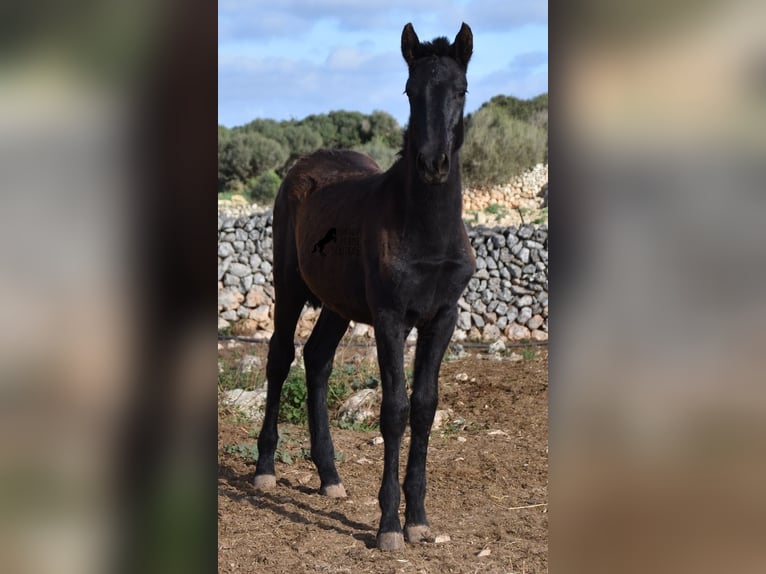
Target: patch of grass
(246, 451)
(528, 353)
(292, 407)
(232, 376)
(543, 217)
(499, 211)
(364, 426)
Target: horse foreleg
(433, 339)
(389, 337)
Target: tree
(384, 127)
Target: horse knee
(393, 414)
(281, 355)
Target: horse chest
(426, 285)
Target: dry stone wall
(506, 299)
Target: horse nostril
(443, 164)
(421, 162)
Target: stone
(516, 332)
(535, 322)
(490, 332)
(464, 320)
(360, 330)
(230, 315)
(250, 403)
(246, 327)
(255, 261)
(230, 280)
(247, 282)
(223, 324)
(361, 407)
(477, 320)
(225, 249)
(260, 314)
(229, 298)
(525, 301)
(255, 298)
(497, 347)
(259, 279)
(538, 335)
(526, 231)
(440, 417)
(525, 314)
(239, 269)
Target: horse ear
(463, 45)
(410, 42)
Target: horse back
(323, 168)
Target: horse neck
(433, 209)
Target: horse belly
(337, 281)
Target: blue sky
(285, 59)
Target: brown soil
(487, 492)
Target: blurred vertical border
(658, 291)
(107, 243)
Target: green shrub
(377, 149)
(292, 408)
(498, 147)
(263, 189)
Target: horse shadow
(240, 489)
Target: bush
(292, 408)
(263, 189)
(377, 149)
(498, 147)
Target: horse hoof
(333, 491)
(265, 481)
(418, 533)
(389, 541)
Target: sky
(284, 59)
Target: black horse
(413, 262)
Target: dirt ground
(486, 490)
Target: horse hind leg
(318, 357)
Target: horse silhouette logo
(330, 236)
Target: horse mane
(440, 46)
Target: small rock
(515, 358)
(461, 377)
(260, 314)
(483, 553)
(249, 362)
(440, 417)
(359, 407)
(239, 269)
(442, 538)
(535, 322)
(251, 403)
(377, 440)
(497, 347)
(461, 439)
